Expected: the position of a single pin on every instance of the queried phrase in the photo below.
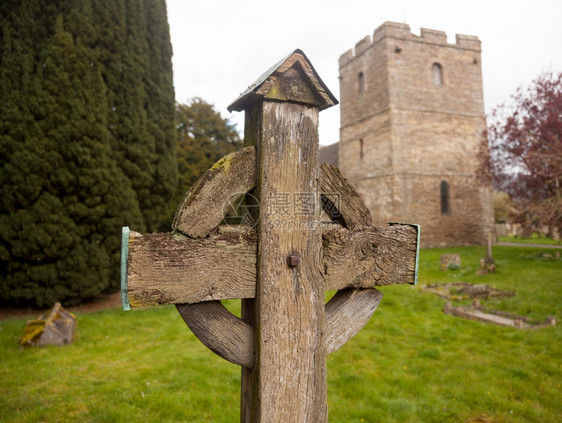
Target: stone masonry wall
(403, 134)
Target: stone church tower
(412, 116)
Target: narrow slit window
(361, 83)
(361, 149)
(437, 72)
(445, 202)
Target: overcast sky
(221, 47)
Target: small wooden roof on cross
(293, 79)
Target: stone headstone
(450, 262)
(53, 328)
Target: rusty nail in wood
(293, 260)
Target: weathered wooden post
(289, 378)
(281, 269)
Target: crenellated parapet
(470, 42)
(402, 32)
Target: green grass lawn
(411, 363)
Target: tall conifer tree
(86, 141)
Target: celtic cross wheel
(197, 216)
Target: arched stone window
(361, 83)
(445, 202)
(437, 73)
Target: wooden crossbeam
(175, 269)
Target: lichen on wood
(203, 207)
(54, 328)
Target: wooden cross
(282, 267)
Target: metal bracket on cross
(283, 263)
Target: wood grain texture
(202, 208)
(346, 314)
(374, 256)
(172, 269)
(175, 269)
(252, 134)
(340, 200)
(232, 338)
(295, 80)
(205, 204)
(291, 375)
(247, 374)
(350, 309)
(221, 331)
(292, 79)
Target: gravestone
(53, 328)
(450, 261)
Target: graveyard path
(520, 244)
(102, 303)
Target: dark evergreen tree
(137, 70)
(76, 164)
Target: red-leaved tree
(524, 151)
